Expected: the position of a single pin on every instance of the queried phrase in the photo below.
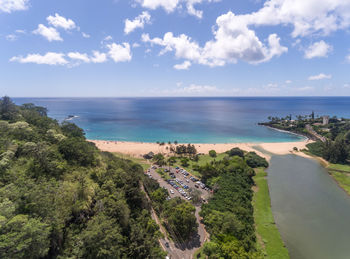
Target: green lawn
(345, 168)
(341, 173)
(342, 179)
(145, 165)
(203, 160)
(271, 241)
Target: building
(325, 120)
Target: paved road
(177, 250)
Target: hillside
(62, 198)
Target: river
(310, 210)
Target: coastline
(138, 149)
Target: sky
(144, 48)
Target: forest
(62, 198)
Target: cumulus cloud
(171, 5)
(319, 77)
(138, 22)
(11, 37)
(183, 66)
(318, 50)
(50, 58)
(119, 52)
(70, 59)
(81, 57)
(85, 35)
(307, 17)
(232, 42)
(50, 33)
(98, 57)
(9, 6)
(61, 22)
(168, 5)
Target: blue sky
(118, 48)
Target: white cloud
(171, 5)
(304, 89)
(11, 37)
(98, 57)
(183, 66)
(85, 35)
(232, 42)
(138, 22)
(168, 5)
(119, 52)
(81, 57)
(347, 58)
(307, 17)
(50, 58)
(288, 81)
(196, 89)
(319, 77)
(61, 22)
(318, 50)
(136, 45)
(9, 6)
(50, 33)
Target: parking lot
(181, 183)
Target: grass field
(342, 179)
(203, 160)
(270, 239)
(145, 165)
(341, 173)
(345, 168)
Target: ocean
(187, 120)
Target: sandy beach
(138, 149)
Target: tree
(236, 152)
(8, 110)
(184, 161)
(159, 159)
(212, 153)
(255, 161)
(72, 130)
(24, 237)
(102, 238)
(181, 218)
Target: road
(177, 250)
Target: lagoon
(310, 210)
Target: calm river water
(311, 211)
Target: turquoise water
(186, 120)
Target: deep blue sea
(187, 120)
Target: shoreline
(138, 149)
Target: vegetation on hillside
(62, 198)
(228, 215)
(178, 216)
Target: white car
(172, 192)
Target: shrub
(212, 153)
(255, 161)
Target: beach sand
(138, 149)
